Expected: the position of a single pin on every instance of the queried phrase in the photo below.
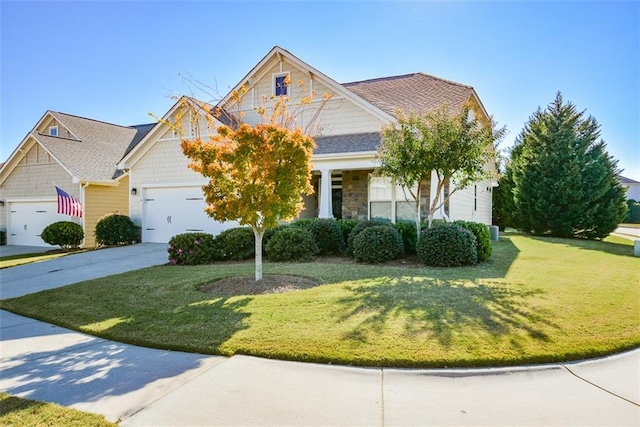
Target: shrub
(115, 229)
(269, 233)
(376, 244)
(483, 238)
(194, 249)
(303, 223)
(328, 236)
(237, 243)
(633, 213)
(409, 235)
(346, 225)
(359, 227)
(291, 244)
(447, 246)
(65, 234)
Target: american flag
(68, 205)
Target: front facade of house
(78, 155)
(141, 171)
(167, 197)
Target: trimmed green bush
(359, 227)
(346, 225)
(328, 236)
(376, 244)
(633, 213)
(237, 243)
(194, 249)
(483, 238)
(409, 235)
(447, 246)
(291, 244)
(65, 234)
(114, 230)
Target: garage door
(28, 219)
(169, 211)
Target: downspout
(84, 208)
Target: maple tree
(257, 174)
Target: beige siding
(339, 116)
(50, 121)
(101, 201)
(34, 180)
(462, 203)
(164, 163)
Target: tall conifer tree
(564, 181)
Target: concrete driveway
(147, 387)
(29, 278)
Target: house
(77, 154)
(166, 197)
(632, 186)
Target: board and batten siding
(35, 177)
(101, 200)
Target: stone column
(325, 209)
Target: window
(53, 130)
(281, 84)
(388, 202)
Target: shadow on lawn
(591, 245)
(443, 308)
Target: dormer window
(281, 84)
(53, 130)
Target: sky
(118, 61)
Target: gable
(344, 113)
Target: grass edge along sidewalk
(537, 300)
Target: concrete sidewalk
(147, 387)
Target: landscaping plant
(483, 237)
(194, 249)
(328, 236)
(377, 244)
(237, 243)
(291, 244)
(65, 234)
(115, 230)
(447, 246)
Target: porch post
(325, 210)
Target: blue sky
(119, 61)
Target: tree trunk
(258, 233)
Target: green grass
(536, 300)
(18, 412)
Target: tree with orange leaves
(257, 175)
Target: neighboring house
(633, 187)
(166, 197)
(77, 154)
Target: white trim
(273, 82)
(51, 128)
(342, 156)
(174, 184)
(30, 199)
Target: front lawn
(18, 412)
(536, 300)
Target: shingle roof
(625, 180)
(351, 143)
(99, 147)
(411, 92)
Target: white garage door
(169, 211)
(28, 219)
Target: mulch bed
(247, 285)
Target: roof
(625, 180)
(97, 148)
(416, 92)
(351, 143)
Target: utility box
(636, 248)
(495, 233)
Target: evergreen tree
(564, 181)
